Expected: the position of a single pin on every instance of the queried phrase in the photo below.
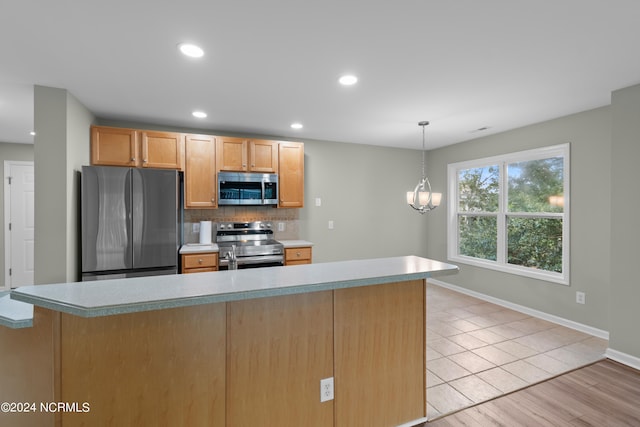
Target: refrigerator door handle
(128, 197)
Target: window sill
(562, 279)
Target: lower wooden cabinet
(296, 256)
(200, 262)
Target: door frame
(7, 215)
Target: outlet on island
(326, 389)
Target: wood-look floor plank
(605, 394)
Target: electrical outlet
(330, 225)
(195, 227)
(281, 226)
(580, 297)
(326, 389)
(318, 201)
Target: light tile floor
(477, 350)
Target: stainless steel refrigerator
(130, 222)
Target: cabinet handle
(200, 261)
(133, 159)
(297, 254)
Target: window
(511, 213)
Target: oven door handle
(262, 259)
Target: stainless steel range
(248, 245)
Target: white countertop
(295, 243)
(15, 314)
(116, 296)
(195, 248)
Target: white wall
(625, 229)
(61, 146)
(363, 190)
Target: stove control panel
(256, 225)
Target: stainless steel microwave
(240, 188)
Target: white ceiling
(461, 64)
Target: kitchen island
(235, 348)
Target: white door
(19, 223)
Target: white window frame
(562, 150)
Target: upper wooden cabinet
(200, 172)
(136, 148)
(291, 175)
(114, 146)
(162, 150)
(244, 155)
(202, 157)
(263, 156)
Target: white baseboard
(624, 358)
(414, 422)
(526, 310)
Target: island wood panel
(380, 371)
(279, 350)
(29, 370)
(160, 368)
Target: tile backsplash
(288, 217)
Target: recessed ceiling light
(32, 133)
(191, 50)
(348, 80)
(199, 114)
(296, 125)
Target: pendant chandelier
(422, 198)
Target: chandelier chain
(423, 124)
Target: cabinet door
(198, 263)
(114, 146)
(231, 154)
(291, 175)
(297, 256)
(200, 172)
(162, 150)
(263, 156)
